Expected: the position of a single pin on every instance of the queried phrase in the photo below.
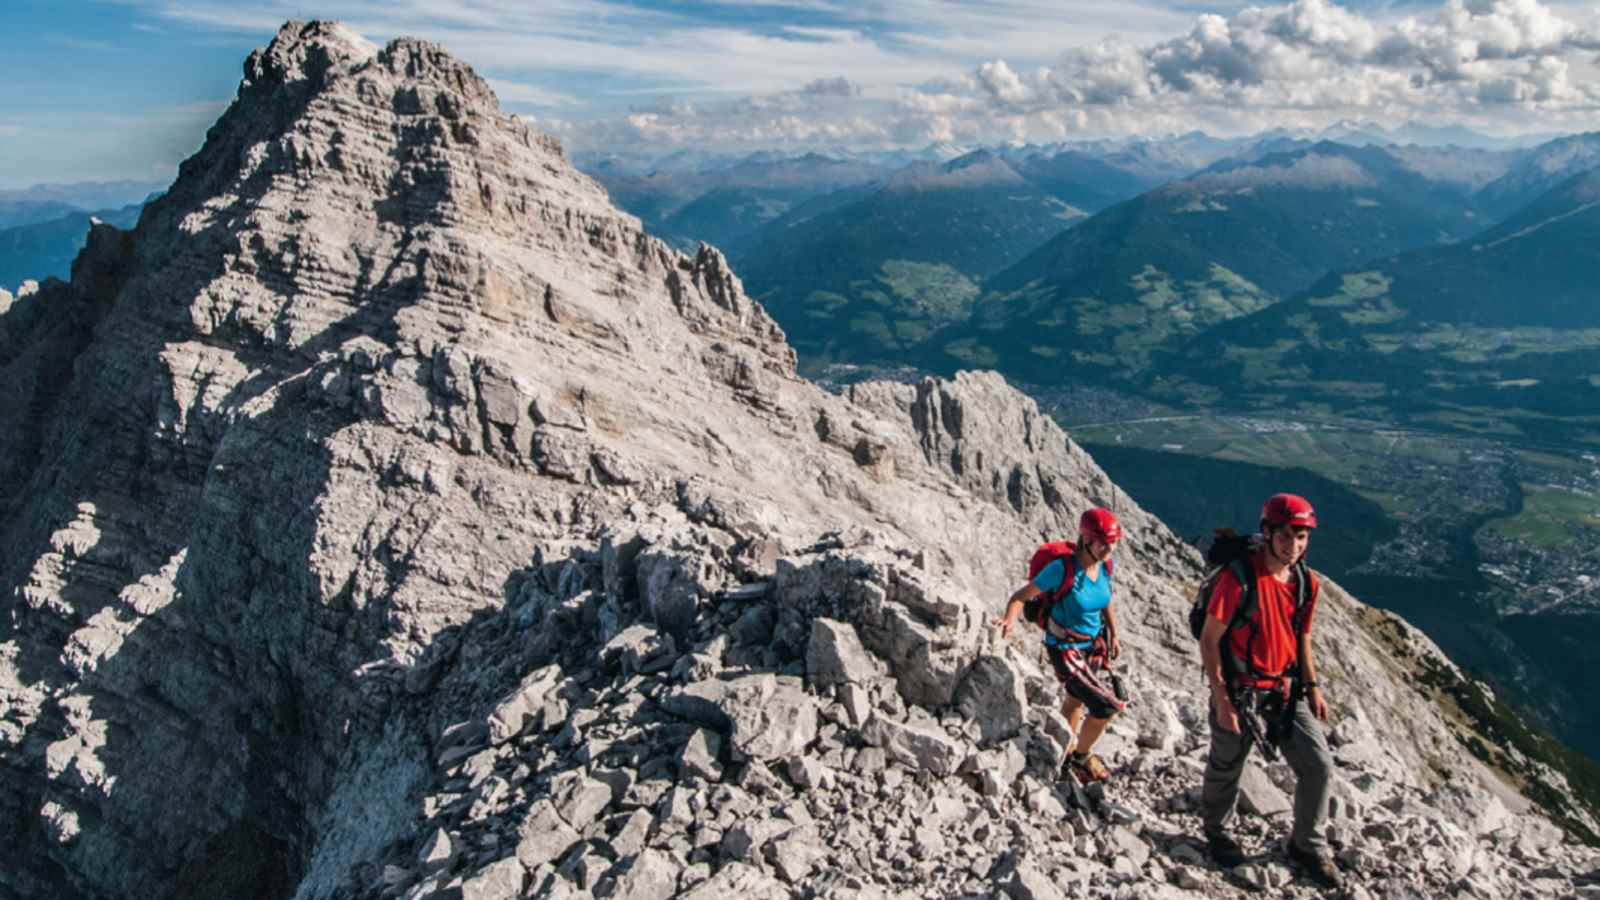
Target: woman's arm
(1113, 645)
(1014, 608)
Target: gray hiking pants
(1304, 748)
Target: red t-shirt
(1274, 646)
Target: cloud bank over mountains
(817, 74)
(1500, 65)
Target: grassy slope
(869, 281)
(1497, 335)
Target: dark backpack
(1038, 609)
(1230, 551)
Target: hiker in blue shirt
(1080, 633)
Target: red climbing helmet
(1099, 524)
(1288, 509)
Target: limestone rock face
(388, 516)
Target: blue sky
(103, 90)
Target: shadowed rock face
(387, 515)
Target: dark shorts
(1093, 689)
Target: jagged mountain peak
(308, 51)
(402, 148)
(977, 169)
(1539, 169)
(388, 515)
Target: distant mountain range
(44, 202)
(43, 227)
(1103, 259)
(724, 202)
(1535, 171)
(42, 250)
(690, 195)
(1357, 133)
(1104, 296)
(46, 249)
(741, 202)
(871, 279)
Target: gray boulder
(771, 718)
(652, 875)
(1258, 795)
(916, 747)
(543, 836)
(518, 709)
(671, 589)
(1027, 882)
(703, 703)
(835, 655)
(736, 880)
(993, 695)
(501, 880)
(639, 648)
(700, 755)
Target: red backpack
(1038, 609)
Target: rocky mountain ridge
(389, 516)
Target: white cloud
(1301, 62)
(600, 72)
(1002, 83)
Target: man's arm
(1308, 679)
(1211, 662)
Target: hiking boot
(1319, 866)
(1224, 850)
(1087, 768)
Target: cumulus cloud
(1283, 48)
(1306, 62)
(1306, 58)
(1002, 83)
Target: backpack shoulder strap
(1069, 571)
(1243, 572)
(1304, 581)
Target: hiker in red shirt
(1263, 662)
(1080, 635)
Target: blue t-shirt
(1079, 608)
